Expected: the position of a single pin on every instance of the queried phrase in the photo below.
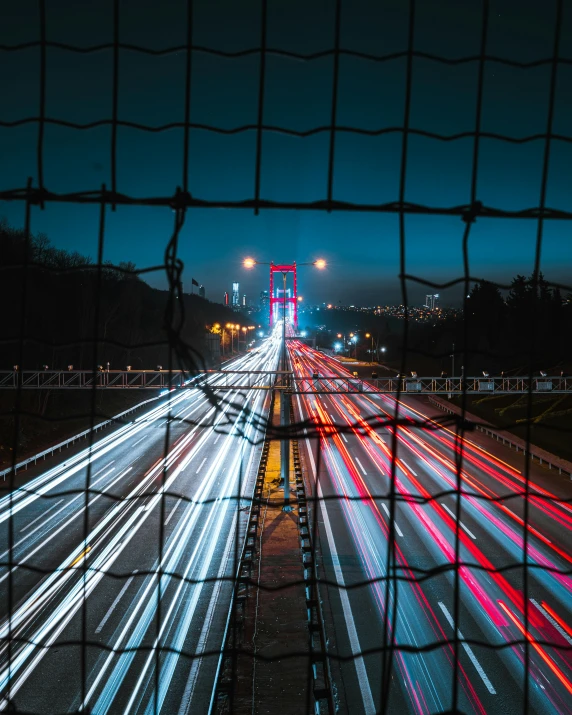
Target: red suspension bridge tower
(283, 269)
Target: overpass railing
(263, 379)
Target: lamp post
(232, 328)
(369, 335)
(354, 339)
(284, 395)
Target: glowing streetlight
(320, 263)
(369, 335)
(249, 262)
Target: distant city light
(337, 346)
(260, 334)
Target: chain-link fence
(444, 586)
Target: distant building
(265, 303)
(226, 297)
(202, 292)
(244, 301)
(431, 301)
(235, 296)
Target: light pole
(232, 328)
(369, 335)
(354, 339)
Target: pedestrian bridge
(266, 380)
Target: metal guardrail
(72, 440)
(520, 445)
(260, 379)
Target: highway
(349, 462)
(130, 565)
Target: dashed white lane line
(552, 621)
(463, 527)
(201, 465)
(42, 516)
(468, 651)
(344, 437)
(386, 510)
(139, 440)
(173, 510)
(408, 467)
(114, 604)
(361, 466)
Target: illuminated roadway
(104, 589)
(353, 541)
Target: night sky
(362, 250)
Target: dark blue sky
(361, 249)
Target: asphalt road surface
(365, 509)
(130, 567)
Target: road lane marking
(361, 466)
(201, 465)
(386, 510)
(552, 621)
(173, 510)
(83, 554)
(139, 440)
(344, 437)
(408, 467)
(42, 516)
(114, 604)
(217, 439)
(468, 651)
(470, 533)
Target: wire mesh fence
(461, 622)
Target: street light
(369, 335)
(354, 339)
(231, 326)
